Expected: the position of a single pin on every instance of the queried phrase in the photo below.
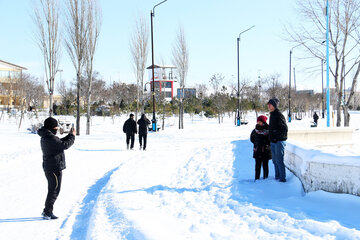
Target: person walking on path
(53, 161)
(278, 135)
(262, 153)
(316, 118)
(130, 129)
(143, 123)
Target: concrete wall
(323, 171)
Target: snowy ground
(196, 183)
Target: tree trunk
(338, 113)
(78, 104)
(346, 117)
(163, 118)
(88, 114)
(51, 113)
(21, 117)
(137, 102)
(181, 115)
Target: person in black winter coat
(143, 123)
(316, 118)
(262, 153)
(278, 135)
(130, 129)
(53, 161)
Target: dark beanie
(50, 123)
(274, 101)
(131, 115)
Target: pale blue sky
(211, 28)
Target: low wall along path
(318, 170)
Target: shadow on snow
(98, 150)
(287, 197)
(82, 221)
(28, 219)
(152, 190)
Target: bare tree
(254, 98)
(181, 62)
(344, 22)
(215, 82)
(98, 88)
(76, 43)
(201, 90)
(139, 52)
(273, 85)
(29, 93)
(93, 26)
(46, 19)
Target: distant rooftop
(160, 66)
(6, 66)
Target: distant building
(188, 92)
(163, 80)
(308, 92)
(9, 76)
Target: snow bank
(319, 170)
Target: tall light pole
(291, 50)
(327, 67)
(238, 123)
(152, 14)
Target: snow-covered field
(195, 183)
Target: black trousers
(54, 185)
(265, 165)
(132, 138)
(141, 137)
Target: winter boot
(50, 216)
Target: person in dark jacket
(143, 123)
(262, 153)
(316, 118)
(53, 161)
(278, 135)
(130, 129)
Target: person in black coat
(316, 118)
(53, 161)
(143, 123)
(278, 135)
(262, 153)
(130, 129)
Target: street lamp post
(152, 14)
(327, 67)
(238, 123)
(291, 50)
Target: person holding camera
(53, 161)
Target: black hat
(131, 115)
(274, 101)
(50, 123)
